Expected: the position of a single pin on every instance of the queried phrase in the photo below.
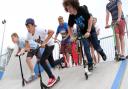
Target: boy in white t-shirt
(45, 35)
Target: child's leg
(79, 55)
(97, 47)
(53, 62)
(67, 51)
(62, 50)
(118, 45)
(87, 51)
(29, 62)
(122, 33)
(43, 63)
(122, 45)
(98, 57)
(92, 53)
(48, 55)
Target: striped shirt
(112, 7)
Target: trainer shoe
(127, 57)
(32, 77)
(90, 67)
(104, 56)
(122, 57)
(51, 81)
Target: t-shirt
(97, 30)
(112, 7)
(42, 34)
(32, 43)
(63, 30)
(81, 19)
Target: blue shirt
(21, 44)
(112, 7)
(63, 30)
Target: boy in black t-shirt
(80, 15)
(84, 23)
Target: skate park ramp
(103, 76)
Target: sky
(45, 13)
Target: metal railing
(4, 59)
(108, 46)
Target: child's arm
(26, 48)
(55, 37)
(27, 45)
(107, 17)
(50, 34)
(17, 51)
(22, 51)
(98, 31)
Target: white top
(42, 33)
(97, 30)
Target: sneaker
(104, 56)
(127, 57)
(90, 67)
(32, 77)
(51, 82)
(87, 71)
(122, 57)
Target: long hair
(74, 3)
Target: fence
(4, 59)
(107, 44)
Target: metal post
(3, 22)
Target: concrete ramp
(12, 71)
(71, 78)
(102, 77)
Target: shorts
(31, 53)
(120, 28)
(65, 48)
(37, 52)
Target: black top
(81, 19)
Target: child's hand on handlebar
(107, 26)
(43, 45)
(22, 51)
(87, 34)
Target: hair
(95, 18)
(60, 17)
(74, 3)
(15, 35)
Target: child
(74, 48)
(83, 20)
(48, 43)
(23, 45)
(92, 48)
(65, 43)
(80, 15)
(114, 7)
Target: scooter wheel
(86, 76)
